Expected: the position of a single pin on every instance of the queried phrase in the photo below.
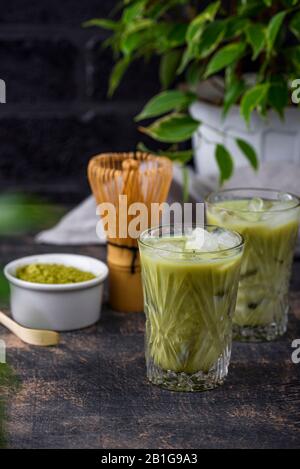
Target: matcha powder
(52, 274)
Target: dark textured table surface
(91, 390)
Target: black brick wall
(57, 114)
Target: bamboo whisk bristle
(142, 177)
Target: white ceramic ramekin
(57, 307)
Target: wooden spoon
(30, 336)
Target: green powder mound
(52, 274)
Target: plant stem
(185, 183)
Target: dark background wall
(57, 115)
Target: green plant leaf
(250, 8)
(176, 35)
(10, 384)
(255, 34)
(232, 94)
(142, 23)
(117, 75)
(180, 156)
(165, 102)
(131, 42)
(173, 128)
(158, 9)
(253, 98)
(188, 55)
(205, 44)
(235, 26)
(248, 151)
(194, 73)
(159, 37)
(273, 29)
(101, 23)
(211, 38)
(4, 289)
(168, 66)
(290, 3)
(133, 12)
(293, 54)
(196, 26)
(224, 161)
(20, 214)
(278, 96)
(224, 57)
(142, 147)
(295, 25)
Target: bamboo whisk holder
(144, 178)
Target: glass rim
(240, 244)
(268, 190)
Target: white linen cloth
(77, 227)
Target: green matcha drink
(269, 221)
(190, 284)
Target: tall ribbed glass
(269, 222)
(189, 299)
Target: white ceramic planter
(57, 307)
(273, 139)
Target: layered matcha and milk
(269, 223)
(190, 285)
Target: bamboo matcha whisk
(144, 178)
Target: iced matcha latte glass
(190, 279)
(269, 221)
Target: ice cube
(210, 243)
(284, 197)
(284, 201)
(196, 239)
(193, 244)
(201, 240)
(227, 240)
(199, 233)
(169, 248)
(256, 204)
